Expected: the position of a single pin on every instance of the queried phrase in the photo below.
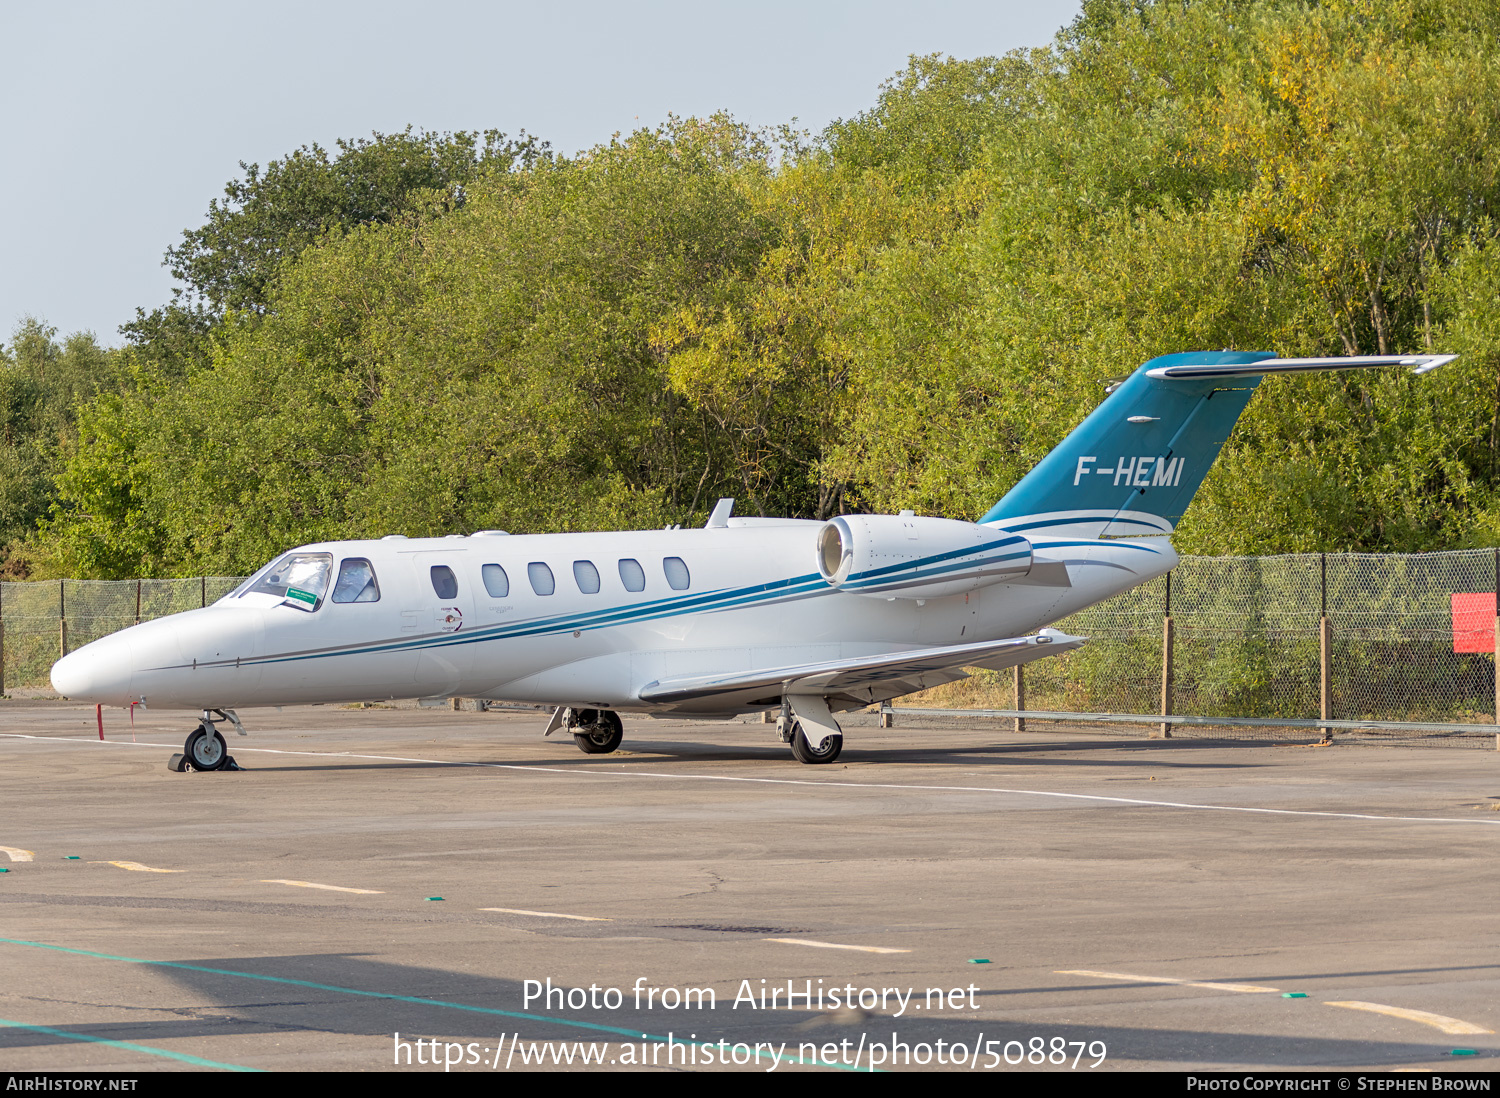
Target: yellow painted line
(1440, 1021)
(1247, 988)
(836, 945)
(137, 867)
(329, 888)
(546, 914)
(17, 854)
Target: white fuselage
(753, 598)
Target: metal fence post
(1497, 646)
(202, 591)
(62, 620)
(1325, 647)
(1167, 637)
(1020, 698)
(138, 602)
(2, 638)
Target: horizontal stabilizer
(857, 681)
(1420, 364)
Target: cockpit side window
(356, 582)
(301, 579)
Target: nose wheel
(204, 749)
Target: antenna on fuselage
(720, 517)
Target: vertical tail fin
(1133, 466)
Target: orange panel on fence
(1473, 622)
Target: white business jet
(807, 618)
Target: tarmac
(422, 890)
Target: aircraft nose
(92, 676)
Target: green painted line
(71, 858)
(979, 960)
(1294, 995)
(434, 897)
(129, 1046)
(1464, 1052)
(632, 1034)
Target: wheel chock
(179, 764)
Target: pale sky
(122, 120)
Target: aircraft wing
(851, 683)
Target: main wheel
(602, 735)
(205, 751)
(803, 751)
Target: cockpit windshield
(299, 578)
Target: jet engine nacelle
(906, 557)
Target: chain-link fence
(1247, 641)
(43, 620)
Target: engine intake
(906, 557)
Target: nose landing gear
(205, 748)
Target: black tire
(205, 752)
(802, 751)
(602, 736)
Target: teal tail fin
(1132, 467)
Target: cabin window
(301, 579)
(677, 573)
(496, 582)
(356, 582)
(541, 578)
(444, 582)
(632, 575)
(586, 576)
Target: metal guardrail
(889, 713)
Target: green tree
(267, 218)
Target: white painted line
(1211, 985)
(546, 914)
(17, 854)
(815, 783)
(329, 888)
(1456, 1026)
(836, 945)
(137, 867)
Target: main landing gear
(595, 731)
(807, 725)
(205, 748)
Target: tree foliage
(433, 333)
